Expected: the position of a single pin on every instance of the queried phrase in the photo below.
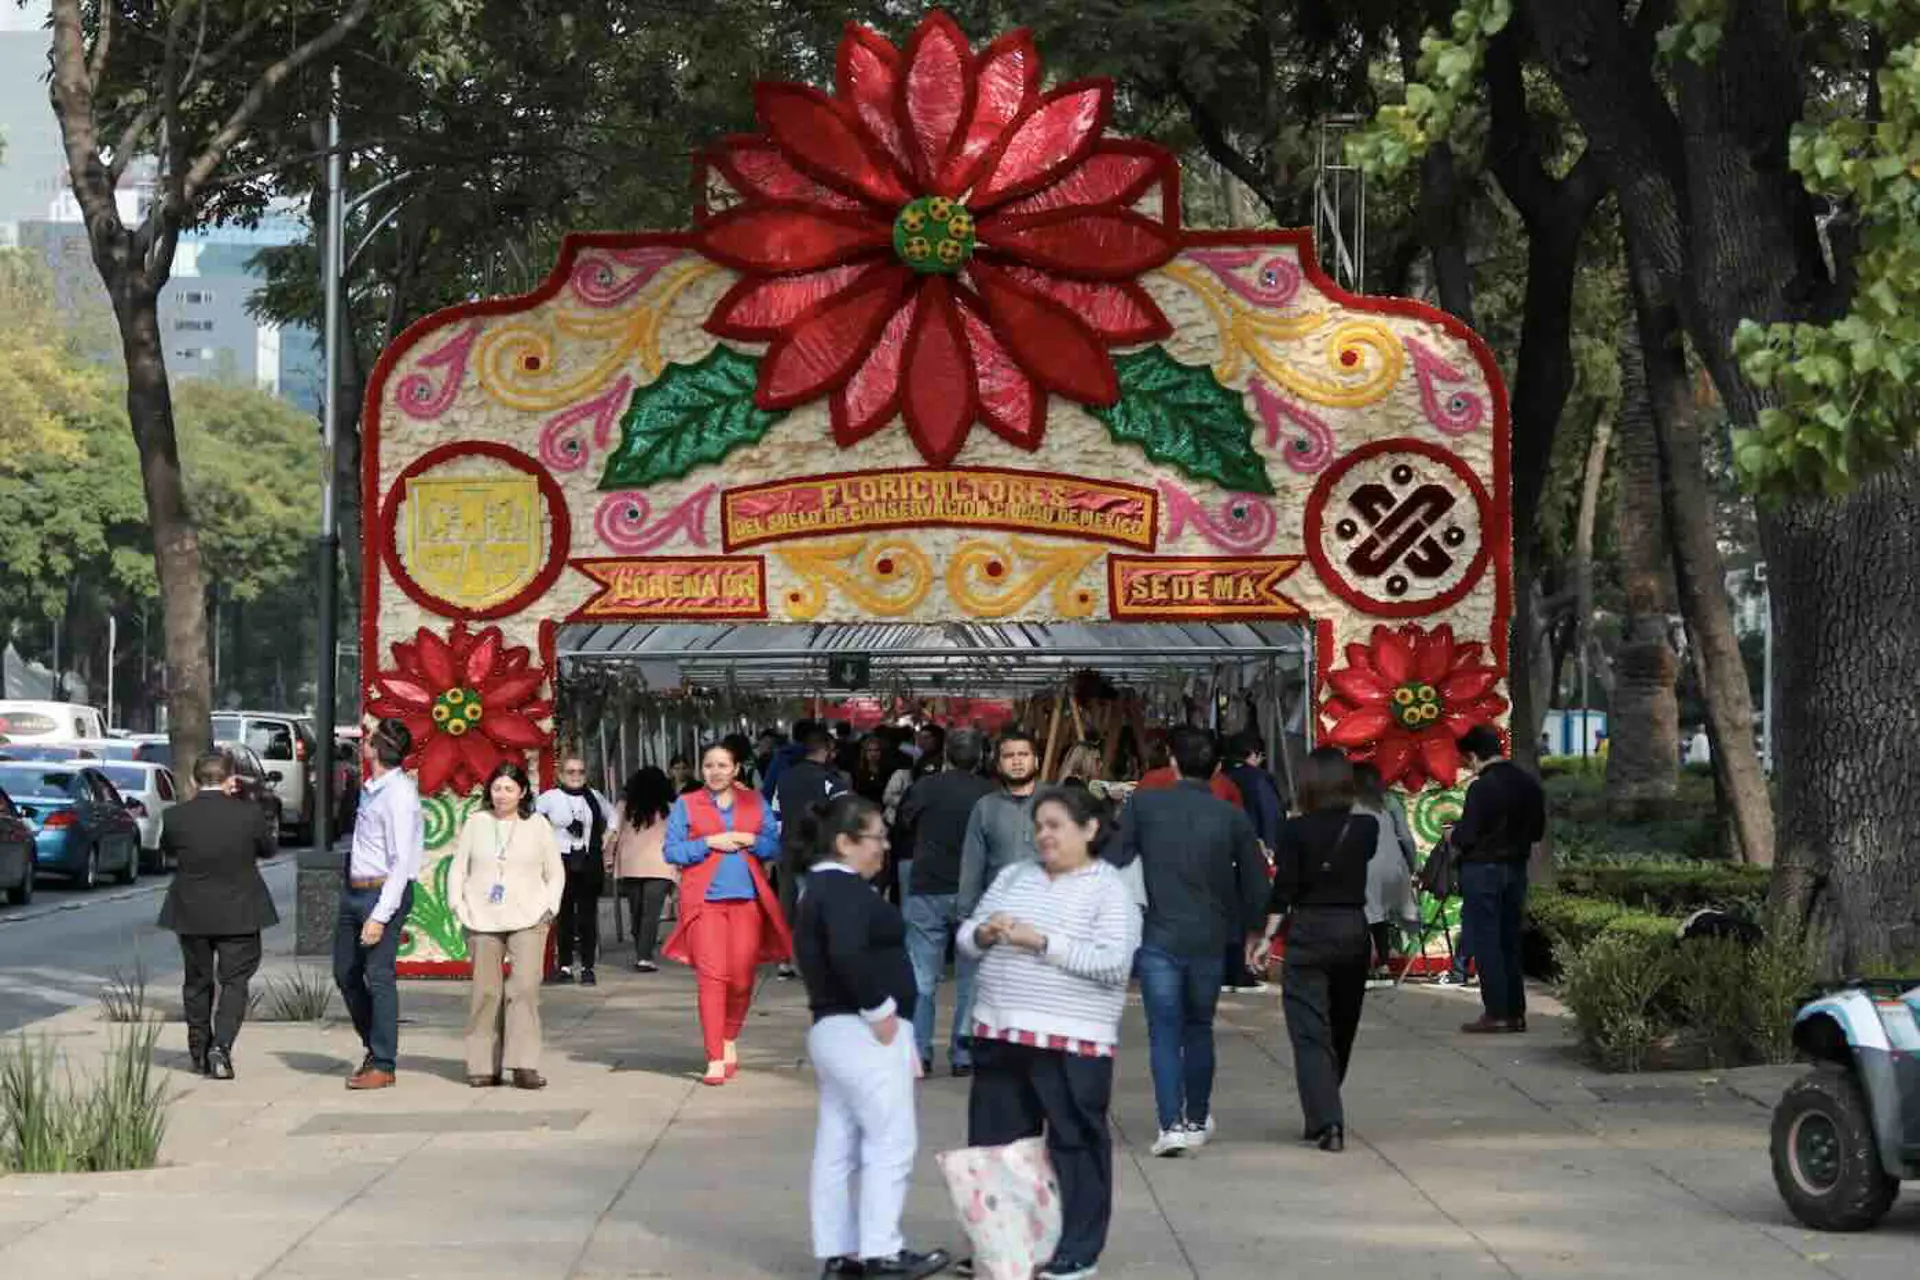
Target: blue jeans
(365, 974)
(1180, 994)
(1493, 899)
(932, 919)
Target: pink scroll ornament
(416, 394)
(562, 445)
(1243, 523)
(1311, 448)
(625, 521)
(1275, 285)
(607, 278)
(1462, 410)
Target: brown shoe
(372, 1079)
(524, 1079)
(1486, 1026)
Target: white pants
(867, 1127)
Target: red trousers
(725, 943)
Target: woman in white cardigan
(1055, 940)
(504, 884)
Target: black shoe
(1332, 1138)
(841, 1267)
(786, 973)
(909, 1264)
(587, 979)
(199, 1057)
(926, 1065)
(959, 1070)
(219, 1063)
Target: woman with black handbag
(1320, 892)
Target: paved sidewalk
(1466, 1158)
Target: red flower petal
(938, 384)
(822, 139)
(1010, 404)
(822, 349)
(511, 729)
(1117, 172)
(871, 397)
(1360, 658)
(1392, 757)
(1047, 142)
(438, 759)
(767, 238)
(1468, 653)
(1121, 313)
(935, 93)
(438, 666)
(407, 693)
(417, 725)
(1442, 757)
(1048, 340)
(759, 308)
(507, 691)
(1465, 686)
(1361, 727)
(1100, 244)
(755, 167)
(1433, 654)
(477, 756)
(516, 661)
(866, 73)
(1006, 83)
(480, 658)
(1362, 688)
(1392, 656)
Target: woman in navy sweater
(850, 945)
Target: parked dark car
(256, 782)
(16, 853)
(80, 823)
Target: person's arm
(681, 849)
(896, 791)
(407, 829)
(1250, 872)
(553, 869)
(973, 861)
(1128, 847)
(766, 841)
(966, 939)
(1105, 955)
(1286, 873)
(1402, 833)
(457, 872)
(1477, 817)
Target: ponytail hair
(823, 824)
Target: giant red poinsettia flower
(469, 700)
(939, 239)
(1405, 698)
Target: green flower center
(457, 710)
(933, 235)
(1416, 705)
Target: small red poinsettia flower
(939, 239)
(1406, 697)
(469, 700)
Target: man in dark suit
(218, 904)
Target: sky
(29, 17)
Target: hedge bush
(1667, 888)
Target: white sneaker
(1198, 1135)
(1171, 1142)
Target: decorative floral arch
(937, 348)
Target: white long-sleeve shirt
(389, 837)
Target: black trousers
(1020, 1091)
(1324, 986)
(578, 927)
(646, 898)
(229, 960)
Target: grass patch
(52, 1123)
(124, 998)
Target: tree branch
(97, 63)
(216, 151)
(1214, 140)
(72, 92)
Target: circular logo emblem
(1397, 528)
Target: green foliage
(1569, 922)
(1695, 31)
(1178, 414)
(124, 999)
(301, 995)
(1709, 997)
(1848, 392)
(1613, 985)
(1779, 977)
(1668, 888)
(51, 1123)
(692, 414)
(1448, 75)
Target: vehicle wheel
(1825, 1160)
(90, 878)
(130, 874)
(21, 894)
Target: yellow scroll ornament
(982, 581)
(888, 577)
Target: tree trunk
(1598, 444)
(1643, 723)
(176, 542)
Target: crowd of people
(895, 858)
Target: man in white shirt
(389, 837)
(580, 817)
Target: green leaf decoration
(1180, 415)
(433, 918)
(691, 414)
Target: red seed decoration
(995, 569)
(884, 566)
(1349, 358)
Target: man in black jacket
(218, 904)
(1206, 886)
(804, 783)
(1505, 815)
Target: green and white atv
(1846, 1133)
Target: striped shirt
(1076, 989)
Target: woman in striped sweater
(1055, 942)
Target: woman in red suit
(730, 919)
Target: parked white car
(28, 721)
(286, 747)
(149, 792)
